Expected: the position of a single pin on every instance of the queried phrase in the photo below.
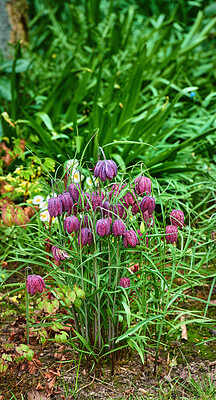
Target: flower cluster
(111, 211)
(96, 213)
(176, 219)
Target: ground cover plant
(108, 203)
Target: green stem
(116, 284)
(27, 317)
(109, 319)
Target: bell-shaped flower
(34, 284)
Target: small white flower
(90, 181)
(37, 200)
(71, 164)
(76, 176)
(43, 205)
(132, 218)
(44, 216)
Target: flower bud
(124, 282)
(34, 284)
(177, 218)
(130, 238)
(103, 227)
(118, 228)
(54, 206)
(71, 224)
(171, 234)
(143, 185)
(59, 254)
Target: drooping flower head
(86, 222)
(95, 201)
(143, 185)
(54, 206)
(136, 208)
(177, 218)
(85, 237)
(105, 169)
(59, 254)
(171, 234)
(67, 202)
(124, 282)
(71, 224)
(74, 190)
(118, 228)
(130, 238)
(103, 227)
(147, 203)
(34, 284)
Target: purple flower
(129, 199)
(147, 203)
(177, 218)
(106, 169)
(59, 254)
(171, 234)
(67, 202)
(103, 227)
(124, 282)
(115, 190)
(74, 190)
(71, 224)
(143, 185)
(85, 237)
(130, 238)
(86, 222)
(120, 210)
(105, 208)
(118, 228)
(136, 208)
(34, 284)
(54, 206)
(93, 202)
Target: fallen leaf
(212, 363)
(51, 383)
(32, 367)
(167, 378)
(143, 391)
(38, 387)
(35, 395)
(183, 329)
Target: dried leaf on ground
(35, 395)
(183, 329)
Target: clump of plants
(115, 256)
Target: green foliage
(109, 76)
(85, 287)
